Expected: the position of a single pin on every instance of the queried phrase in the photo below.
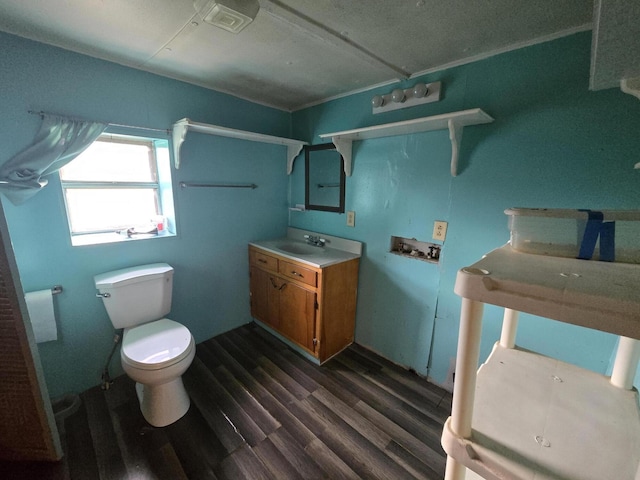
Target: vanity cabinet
(313, 307)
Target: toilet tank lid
(127, 276)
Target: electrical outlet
(351, 218)
(439, 230)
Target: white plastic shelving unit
(454, 122)
(181, 127)
(527, 416)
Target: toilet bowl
(156, 351)
(155, 355)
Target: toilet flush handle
(103, 295)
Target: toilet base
(163, 404)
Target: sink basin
(299, 248)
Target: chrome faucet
(314, 240)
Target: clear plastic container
(608, 235)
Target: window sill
(112, 237)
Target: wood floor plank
(260, 411)
(411, 463)
(197, 447)
(354, 449)
(173, 468)
(430, 392)
(196, 382)
(269, 393)
(296, 455)
(265, 348)
(108, 454)
(262, 418)
(320, 376)
(288, 360)
(434, 458)
(283, 407)
(128, 425)
(275, 461)
(243, 357)
(244, 464)
(280, 403)
(207, 356)
(359, 423)
(330, 463)
(398, 389)
(81, 456)
(156, 447)
(291, 384)
(415, 422)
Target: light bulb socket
(398, 95)
(377, 101)
(420, 90)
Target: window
(119, 188)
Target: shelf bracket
(631, 86)
(455, 135)
(292, 153)
(178, 134)
(344, 147)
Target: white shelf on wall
(454, 122)
(181, 127)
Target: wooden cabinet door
(298, 314)
(265, 305)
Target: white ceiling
(296, 52)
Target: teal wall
(210, 252)
(553, 144)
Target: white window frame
(162, 185)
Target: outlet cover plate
(351, 218)
(439, 230)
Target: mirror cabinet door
(324, 178)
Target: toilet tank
(136, 295)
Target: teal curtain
(58, 141)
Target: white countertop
(336, 249)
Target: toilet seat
(156, 345)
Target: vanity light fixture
(402, 98)
(230, 15)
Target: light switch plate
(439, 230)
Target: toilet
(156, 351)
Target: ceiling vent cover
(230, 15)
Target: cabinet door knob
(293, 272)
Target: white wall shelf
(181, 127)
(523, 415)
(454, 122)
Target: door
(265, 304)
(258, 289)
(28, 429)
(298, 314)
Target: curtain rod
(42, 114)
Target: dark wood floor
(261, 411)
